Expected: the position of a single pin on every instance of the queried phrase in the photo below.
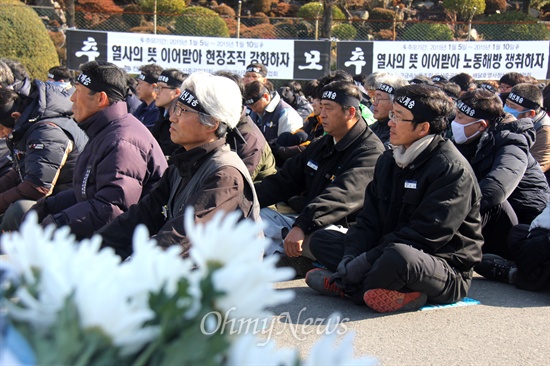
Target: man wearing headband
(147, 112)
(120, 163)
(418, 235)
(382, 102)
(270, 113)
(45, 144)
(255, 72)
(525, 101)
(167, 90)
(328, 177)
(513, 187)
(205, 174)
(60, 76)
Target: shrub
(163, 6)
(315, 10)
(266, 31)
(530, 30)
(198, 21)
(131, 15)
(491, 6)
(384, 35)
(381, 14)
(24, 37)
(149, 29)
(225, 11)
(428, 32)
(344, 32)
(286, 30)
(262, 6)
(465, 8)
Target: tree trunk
(70, 13)
(326, 28)
(525, 6)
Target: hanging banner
(482, 60)
(284, 59)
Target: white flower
(245, 279)
(245, 351)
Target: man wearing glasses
(382, 102)
(205, 174)
(418, 235)
(167, 89)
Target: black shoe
(496, 268)
(300, 264)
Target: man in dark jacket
(330, 173)
(204, 174)
(118, 166)
(167, 89)
(382, 102)
(45, 144)
(418, 235)
(147, 112)
(513, 187)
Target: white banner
(482, 60)
(190, 54)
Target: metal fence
(300, 28)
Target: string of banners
(309, 59)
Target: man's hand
(293, 242)
(40, 208)
(352, 270)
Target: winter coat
(506, 170)
(120, 164)
(431, 205)
(331, 177)
(45, 144)
(209, 178)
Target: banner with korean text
(482, 60)
(284, 59)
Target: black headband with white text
(169, 80)
(469, 110)
(99, 86)
(257, 70)
(386, 88)
(189, 99)
(341, 98)
(147, 78)
(419, 110)
(524, 102)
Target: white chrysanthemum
(245, 278)
(245, 351)
(326, 351)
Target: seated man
(530, 246)
(525, 101)
(513, 187)
(328, 175)
(118, 166)
(147, 112)
(167, 90)
(45, 144)
(418, 235)
(382, 102)
(269, 112)
(205, 174)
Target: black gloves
(352, 271)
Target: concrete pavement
(509, 327)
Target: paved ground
(509, 327)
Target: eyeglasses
(396, 119)
(158, 89)
(375, 99)
(177, 110)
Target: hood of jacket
(522, 126)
